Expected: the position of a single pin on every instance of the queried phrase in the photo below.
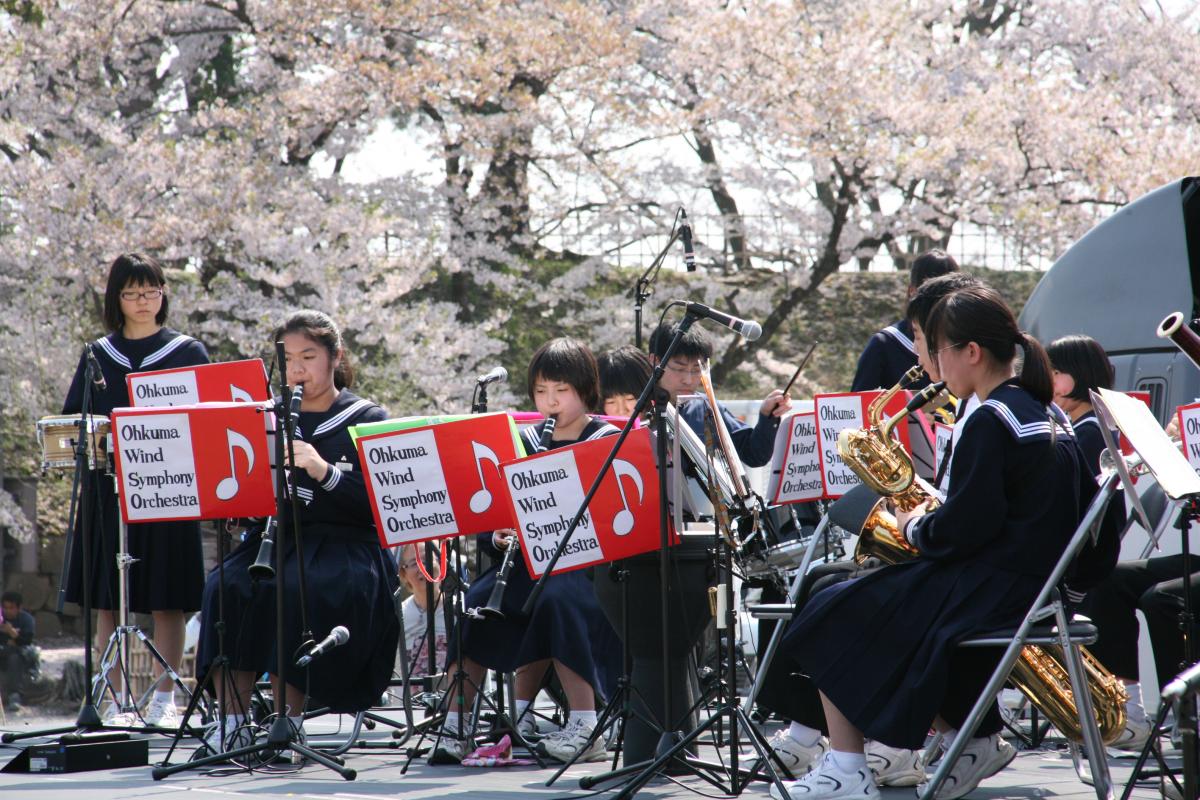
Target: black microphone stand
(88, 719)
(282, 737)
(643, 290)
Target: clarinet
(263, 567)
(492, 609)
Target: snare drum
(57, 437)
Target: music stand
(1181, 484)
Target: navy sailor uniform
(883, 647)
(888, 355)
(565, 623)
(349, 579)
(168, 573)
(1091, 440)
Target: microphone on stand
(498, 375)
(336, 638)
(94, 366)
(685, 233)
(748, 328)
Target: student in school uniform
(566, 630)
(882, 649)
(891, 352)
(167, 574)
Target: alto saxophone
(1040, 673)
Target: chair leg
(1093, 745)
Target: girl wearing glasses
(883, 649)
(167, 577)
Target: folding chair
(1045, 624)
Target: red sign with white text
(545, 492)
(225, 382)
(848, 410)
(438, 481)
(192, 462)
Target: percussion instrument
(57, 437)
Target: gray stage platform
(1044, 773)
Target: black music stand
(282, 736)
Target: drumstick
(800, 368)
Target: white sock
(585, 717)
(522, 706)
(297, 722)
(804, 735)
(234, 721)
(166, 697)
(451, 723)
(849, 763)
(948, 738)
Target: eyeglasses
(131, 295)
(941, 350)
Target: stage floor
(1035, 774)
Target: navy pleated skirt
(879, 647)
(348, 583)
(566, 623)
(167, 575)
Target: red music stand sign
(848, 410)
(546, 490)
(192, 462)
(438, 481)
(225, 382)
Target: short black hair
(136, 269)
(11, 597)
(625, 370)
(934, 289)
(696, 343)
(1083, 359)
(570, 361)
(930, 264)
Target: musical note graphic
(481, 501)
(228, 487)
(623, 522)
(239, 395)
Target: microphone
(1183, 683)
(94, 366)
(498, 375)
(748, 328)
(685, 233)
(336, 638)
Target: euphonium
(1040, 673)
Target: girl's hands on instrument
(502, 538)
(903, 517)
(776, 404)
(309, 460)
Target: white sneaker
(981, 759)
(828, 782)
(236, 736)
(527, 727)
(162, 715)
(893, 766)
(798, 758)
(572, 743)
(448, 750)
(116, 718)
(1134, 735)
